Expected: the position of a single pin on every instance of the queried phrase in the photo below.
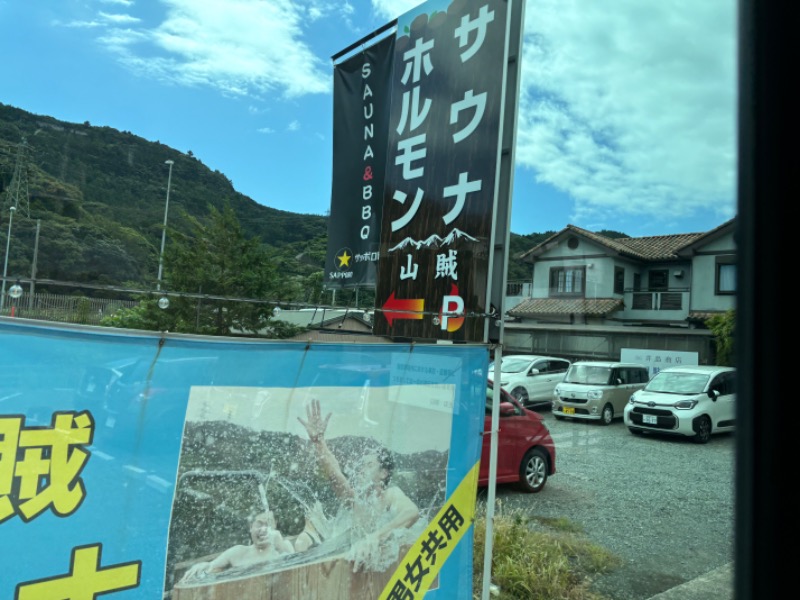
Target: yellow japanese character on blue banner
(40, 467)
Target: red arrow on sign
(403, 309)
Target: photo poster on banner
(360, 131)
(441, 176)
(143, 466)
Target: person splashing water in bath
(267, 544)
(380, 511)
(314, 531)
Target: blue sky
(627, 114)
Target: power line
(18, 187)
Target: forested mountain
(98, 195)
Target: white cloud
(242, 47)
(118, 2)
(391, 9)
(79, 24)
(293, 126)
(121, 39)
(265, 130)
(631, 110)
(119, 19)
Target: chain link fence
(63, 308)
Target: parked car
(531, 379)
(692, 401)
(526, 454)
(597, 390)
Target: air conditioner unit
(678, 273)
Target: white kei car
(691, 401)
(531, 379)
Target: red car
(526, 454)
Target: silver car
(597, 390)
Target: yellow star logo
(344, 259)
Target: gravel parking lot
(664, 505)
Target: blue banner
(152, 466)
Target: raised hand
(315, 424)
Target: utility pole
(19, 180)
(164, 231)
(33, 264)
(11, 211)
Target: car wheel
(607, 415)
(702, 430)
(635, 431)
(521, 394)
(533, 471)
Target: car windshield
(514, 365)
(490, 398)
(676, 382)
(588, 375)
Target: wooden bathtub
(329, 578)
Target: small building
(590, 295)
(333, 325)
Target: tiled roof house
(670, 282)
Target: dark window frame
(727, 261)
(619, 280)
(554, 282)
(657, 275)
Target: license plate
(569, 411)
(650, 419)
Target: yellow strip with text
(423, 561)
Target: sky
(626, 119)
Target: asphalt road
(664, 505)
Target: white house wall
(704, 297)
(563, 256)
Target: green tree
(145, 315)
(235, 275)
(724, 329)
(313, 288)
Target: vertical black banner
(441, 175)
(361, 97)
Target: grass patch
(534, 558)
(561, 524)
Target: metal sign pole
(490, 500)
(498, 274)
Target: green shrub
(538, 559)
(724, 329)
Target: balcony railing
(518, 288)
(657, 302)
